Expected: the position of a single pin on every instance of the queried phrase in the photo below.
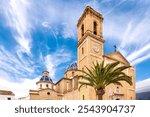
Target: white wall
(5, 97)
(44, 85)
(25, 98)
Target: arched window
(72, 73)
(95, 28)
(40, 85)
(117, 89)
(67, 85)
(82, 30)
(82, 50)
(58, 87)
(73, 83)
(83, 97)
(47, 86)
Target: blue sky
(41, 34)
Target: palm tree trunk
(100, 97)
(100, 93)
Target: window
(40, 85)
(48, 93)
(83, 69)
(82, 30)
(117, 89)
(83, 97)
(9, 98)
(73, 83)
(72, 73)
(66, 75)
(95, 28)
(67, 85)
(82, 50)
(58, 87)
(47, 86)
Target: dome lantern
(45, 81)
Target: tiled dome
(46, 79)
(73, 66)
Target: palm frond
(84, 84)
(100, 75)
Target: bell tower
(90, 44)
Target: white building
(6, 95)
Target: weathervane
(115, 47)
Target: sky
(37, 35)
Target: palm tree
(100, 76)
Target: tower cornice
(89, 10)
(88, 33)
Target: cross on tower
(115, 47)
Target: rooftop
(5, 92)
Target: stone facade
(90, 49)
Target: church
(90, 49)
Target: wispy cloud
(62, 15)
(128, 34)
(17, 72)
(138, 36)
(16, 64)
(20, 89)
(143, 86)
(130, 30)
(22, 17)
(116, 5)
(69, 31)
(52, 61)
(141, 59)
(16, 14)
(140, 55)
